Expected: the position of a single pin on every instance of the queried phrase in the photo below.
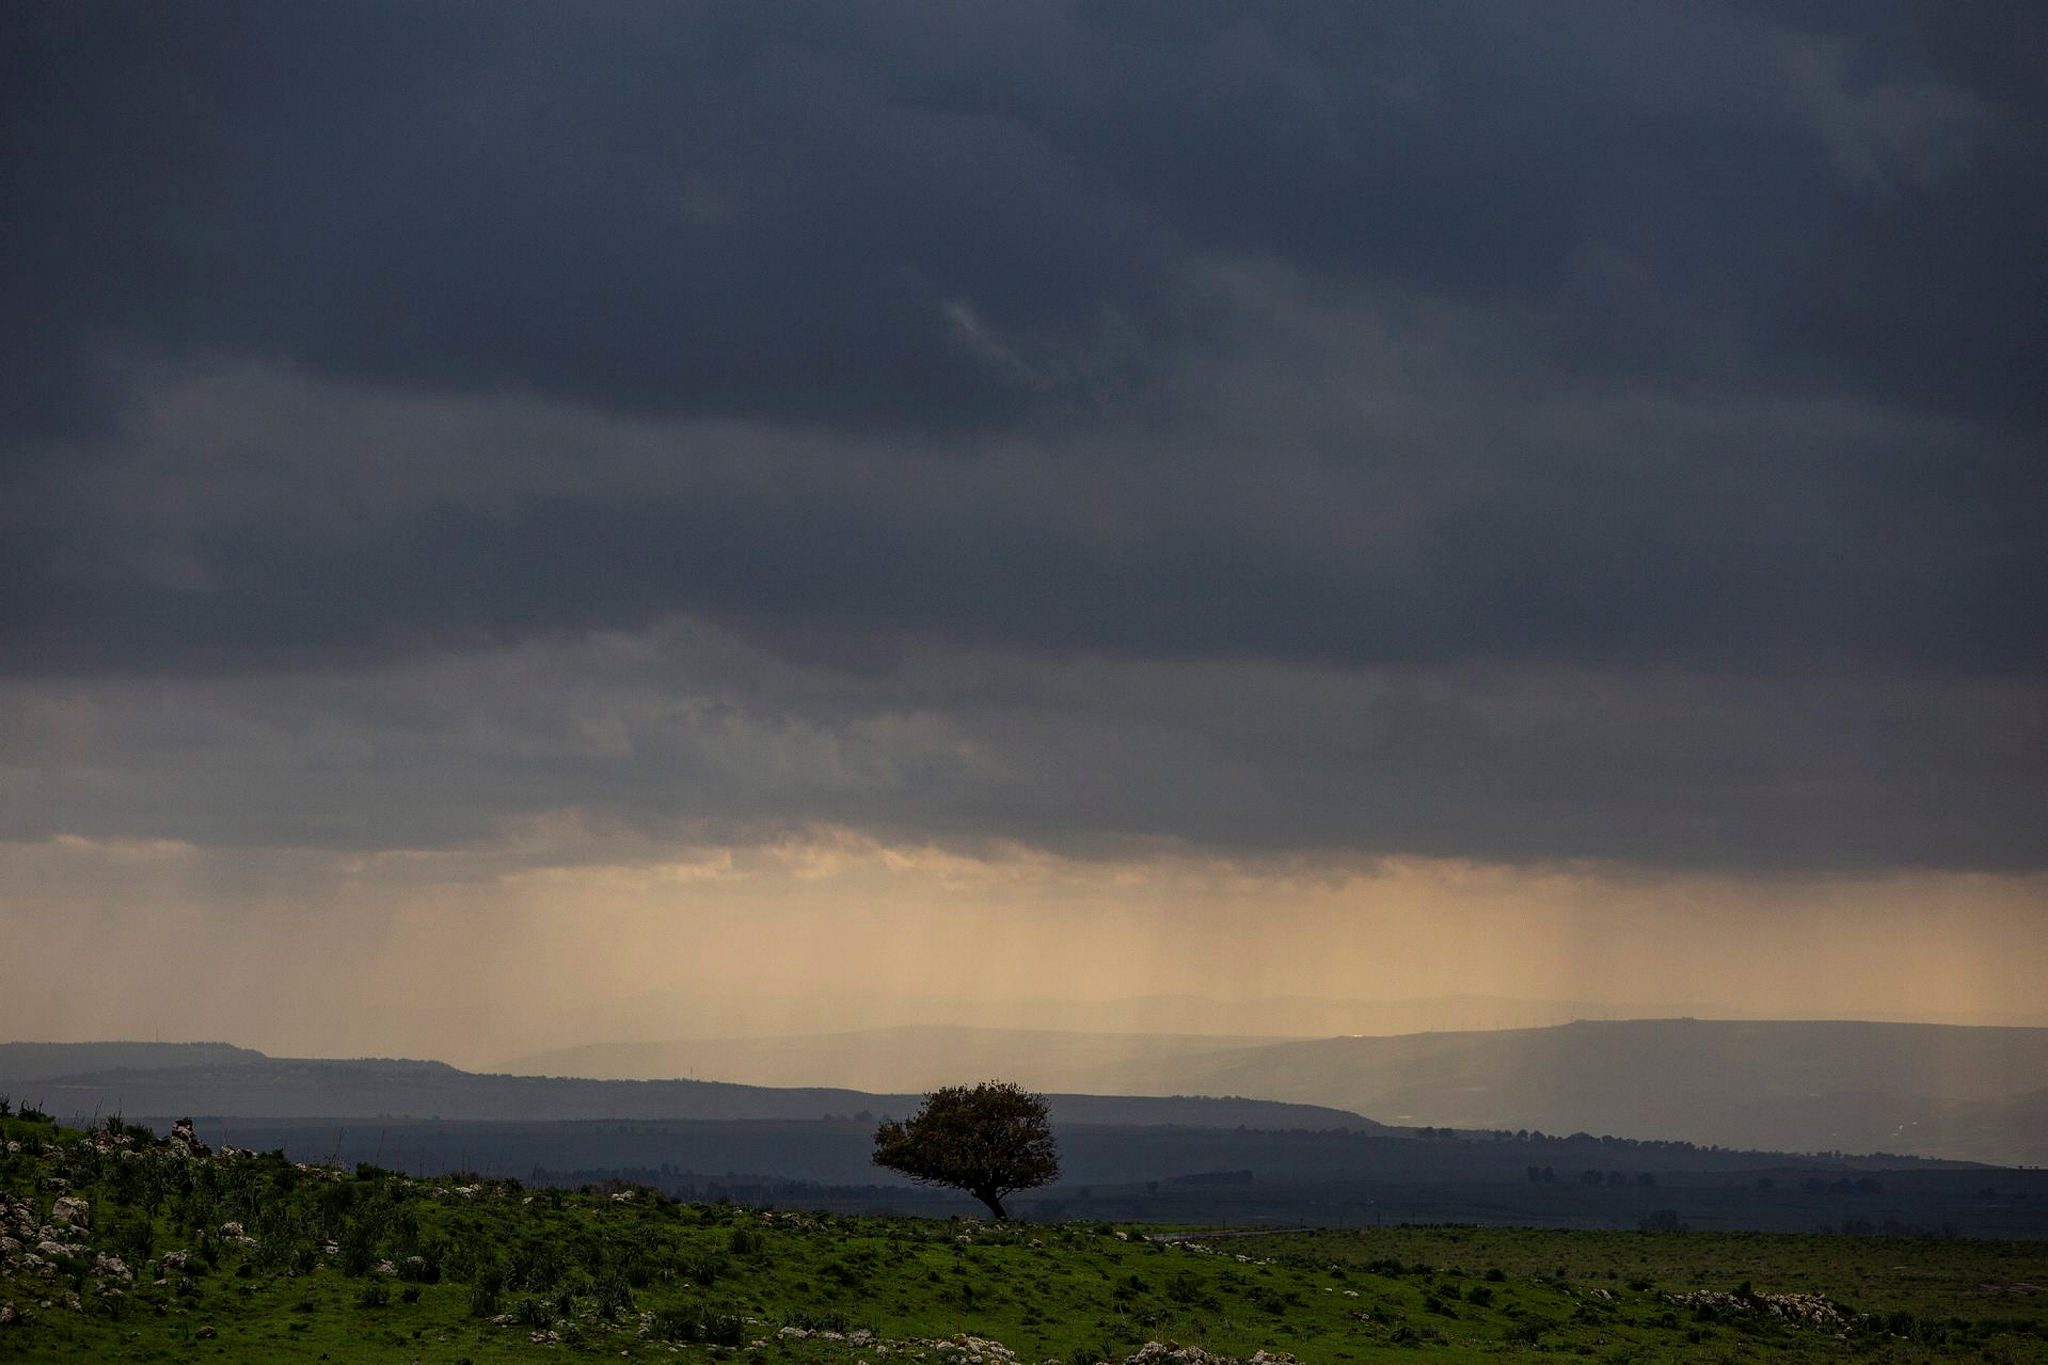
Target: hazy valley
(1790, 1125)
(1970, 1093)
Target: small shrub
(677, 1324)
(420, 1270)
(463, 1261)
(373, 1295)
(357, 1256)
(535, 1268)
(612, 1296)
(692, 1323)
(1186, 1289)
(1405, 1335)
(133, 1242)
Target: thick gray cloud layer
(684, 734)
(1684, 356)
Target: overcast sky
(590, 501)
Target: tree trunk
(994, 1202)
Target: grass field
(126, 1247)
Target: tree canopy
(989, 1140)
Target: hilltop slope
(905, 1058)
(1791, 1086)
(255, 1259)
(252, 1085)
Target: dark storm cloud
(686, 734)
(767, 209)
(1623, 340)
(264, 520)
(660, 208)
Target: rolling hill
(1927, 1089)
(907, 1058)
(1972, 1093)
(1958, 1092)
(252, 1085)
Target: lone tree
(992, 1140)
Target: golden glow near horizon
(556, 937)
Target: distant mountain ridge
(28, 1061)
(1930, 1089)
(907, 1057)
(252, 1085)
(1961, 1092)
(1969, 1092)
(760, 1011)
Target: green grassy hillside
(121, 1246)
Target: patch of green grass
(251, 1258)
